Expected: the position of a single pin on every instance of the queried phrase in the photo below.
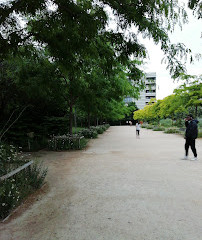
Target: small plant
(171, 130)
(106, 126)
(66, 142)
(36, 175)
(16, 188)
(89, 133)
(149, 126)
(100, 129)
(200, 133)
(10, 157)
(166, 122)
(144, 125)
(158, 128)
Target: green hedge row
(67, 142)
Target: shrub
(144, 125)
(171, 130)
(158, 129)
(66, 142)
(36, 175)
(10, 157)
(179, 122)
(149, 126)
(14, 189)
(89, 133)
(166, 122)
(100, 129)
(106, 126)
(200, 133)
(200, 122)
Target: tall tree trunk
(75, 122)
(88, 119)
(70, 117)
(196, 111)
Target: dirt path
(120, 188)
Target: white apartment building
(147, 94)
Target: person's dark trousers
(190, 142)
(138, 132)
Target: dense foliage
(61, 63)
(186, 99)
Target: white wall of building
(148, 93)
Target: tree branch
(13, 122)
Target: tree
(30, 88)
(72, 32)
(82, 19)
(192, 92)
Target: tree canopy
(187, 98)
(78, 22)
(58, 55)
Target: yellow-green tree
(191, 93)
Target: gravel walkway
(120, 188)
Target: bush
(166, 122)
(10, 157)
(179, 122)
(200, 122)
(200, 133)
(89, 133)
(158, 129)
(171, 130)
(14, 189)
(106, 126)
(66, 142)
(144, 125)
(149, 126)
(100, 129)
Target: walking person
(190, 136)
(138, 126)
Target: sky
(190, 35)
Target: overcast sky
(191, 37)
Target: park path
(119, 188)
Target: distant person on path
(138, 126)
(190, 136)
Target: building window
(150, 91)
(149, 97)
(151, 78)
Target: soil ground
(119, 188)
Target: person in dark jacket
(190, 135)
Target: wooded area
(61, 64)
